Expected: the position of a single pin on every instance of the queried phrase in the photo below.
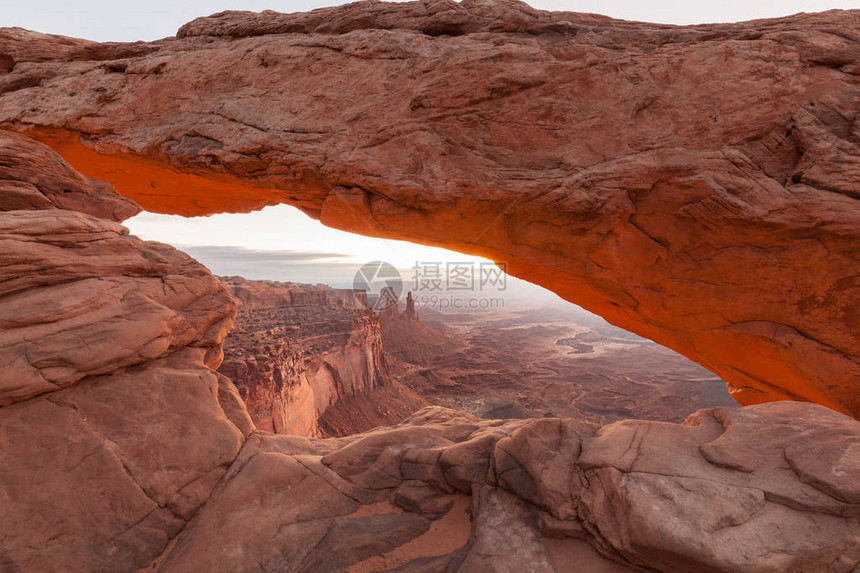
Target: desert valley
(316, 361)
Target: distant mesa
(308, 360)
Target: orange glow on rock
(157, 187)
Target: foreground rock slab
(696, 185)
(708, 495)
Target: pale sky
(124, 21)
(281, 243)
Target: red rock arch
(696, 185)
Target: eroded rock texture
(696, 185)
(297, 352)
(114, 428)
(546, 495)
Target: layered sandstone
(719, 221)
(297, 351)
(551, 495)
(696, 185)
(114, 428)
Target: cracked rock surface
(628, 496)
(114, 429)
(696, 185)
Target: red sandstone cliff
(114, 427)
(697, 185)
(296, 351)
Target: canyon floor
(552, 362)
(316, 361)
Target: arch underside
(699, 190)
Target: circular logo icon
(381, 281)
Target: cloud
(245, 255)
(336, 269)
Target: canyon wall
(296, 350)
(114, 427)
(696, 185)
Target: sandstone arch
(696, 185)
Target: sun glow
(284, 228)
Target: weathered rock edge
(762, 488)
(114, 425)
